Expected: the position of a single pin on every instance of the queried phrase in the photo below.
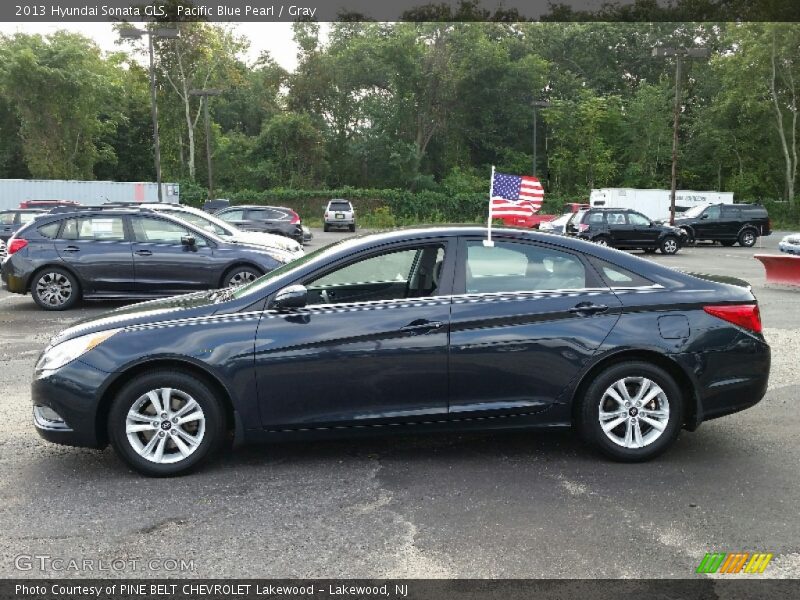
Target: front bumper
(74, 393)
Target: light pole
(679, 54)
(133, 33)
(204, 94)
(536, 104)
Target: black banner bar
(398, 589)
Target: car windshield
(695, 211)
(200, 221)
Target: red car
(533, 221)
(47, 203)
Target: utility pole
(133, 33)
(679, 54)
(536, 104)
(204, 94)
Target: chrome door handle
(71, 249)
(143, 253)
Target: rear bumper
(12, 280)
(728, 381)
(334, 222)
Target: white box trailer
(88, 193)
(655, 203)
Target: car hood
(197, 304)
(793, 238)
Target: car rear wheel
(165, 423)
(747, 238)
(239, 276)
(55, 289)
(602, 240)
(669, 245)
(631, 412)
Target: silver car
(339, 213)
(790, 244)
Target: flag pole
(488, 241)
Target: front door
(369, 348)
(99, 251)
(163, 264)
(710, 226)
(526, 317)
(645, 233)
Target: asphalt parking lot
(479, 505)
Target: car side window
(158, 231)
(94, 228)
(27, 217)
(731, 212)
(7, 218)
(595, 218)
(616, 276)
(712, 212)
(615, 218)
(232, 215)
(638, 219)
(407, 273)
(516, 267)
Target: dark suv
(271, 219)
(725, 223)
(11, 220)
(126, 253)
(625, 228)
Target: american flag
(515, 196)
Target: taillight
(326, 214)
(583, 227)
(743, 315)
(295, 218)
(16, 245)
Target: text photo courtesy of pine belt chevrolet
(428, 329)
(125, 253)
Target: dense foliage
(412, 115)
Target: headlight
(64, 353)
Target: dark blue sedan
(430, 329)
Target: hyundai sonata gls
(425, 329)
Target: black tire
(670, 245)
(588, 415)
(727, 243)
(649, 250)
(326, 228)
(747, 238)
(603, 240)
(352, 227)
(181, 383)
(240, 275)
(54, 288)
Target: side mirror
(294, 296)
(188, 240)
(705, 216)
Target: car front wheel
(631, 412)
(55, 289)
(165, 423)
(669, 245)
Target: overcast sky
(274, 37)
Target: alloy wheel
(53, 289)
(634, 412)
(165, 425)
(748, 238)
(670, 246)
(242, 277)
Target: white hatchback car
(227, 231)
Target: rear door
(99, 250)
(164, 265)
(525, 319)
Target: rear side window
(514, 266)
(50, 230)
(753, 212)
(731, 212)
(27, 217)
(615, 218)
(232, 215)
(7, 218)
(94, 228)
(616, 276)
(594, 218)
